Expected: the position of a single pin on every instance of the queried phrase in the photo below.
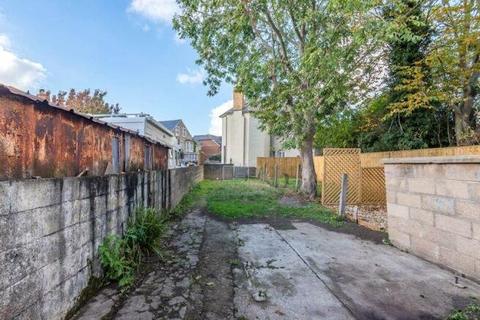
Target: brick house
(210, 145)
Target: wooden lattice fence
(365, 170)
(337, 162)
(373, 186)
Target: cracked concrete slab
(309, 272)
(292, 290)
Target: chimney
(238, 100)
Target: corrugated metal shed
(40, 139)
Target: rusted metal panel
(38, 139)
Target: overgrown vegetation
(472, 312)
(378, 75)
(121, 256)
(237, 199)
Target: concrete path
(283, 271)
(312, 273)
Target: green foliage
(296, 61)
(472, 312)
(116, 261)
(120, 256)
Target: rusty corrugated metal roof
(4, 89)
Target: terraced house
(187, 147)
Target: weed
(235, 263)
(387, 241)
(116, 261)
(472, 312)
(121, 256)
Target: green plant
(472, 312)
(145, 230)
(121, 256)
(116, 261)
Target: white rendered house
(243, 140)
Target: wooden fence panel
(338, 161)
(365, 170)
(374, 159)
(318, 164)
(373, 186)
(286, 166)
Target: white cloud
(191, 77)
(4, 41)
(159, 11)
(215, 120)
(18, 72)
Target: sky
(126, 47)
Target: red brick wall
(210, 148)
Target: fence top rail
(433, 160)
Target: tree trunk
(461, 128)
(463, 116)
(309, 178)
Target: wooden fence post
(343, 195)
(275, 183)
(297, 182)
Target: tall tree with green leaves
(296, 61)
(453, 60)
(404, 116)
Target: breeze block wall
(434, 209)
(182, 181)
(50, 231)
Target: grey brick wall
(50, 230)
(434, 209)
(182, 181)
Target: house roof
(120, 118)
(171, 124)
(201, 137)
(4, 89)
(245, 109)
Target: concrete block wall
(50, 231)
(434, 209)
(182, 181)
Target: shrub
(120, 257)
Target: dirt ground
(283, 269)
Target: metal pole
(343, 195)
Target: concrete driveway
(308, 272)
(283, 270)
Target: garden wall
(50, 230)
(434, 209)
